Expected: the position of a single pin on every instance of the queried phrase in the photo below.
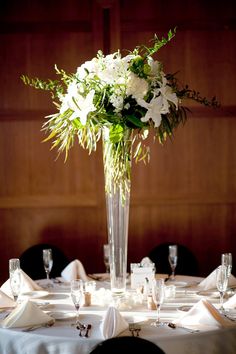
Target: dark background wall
(186, 194)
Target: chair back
(31, 261)
(186, 265)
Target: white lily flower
(168, 96)
(82, 106)
(153, 110)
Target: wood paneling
(186, 194)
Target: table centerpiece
(120, 100)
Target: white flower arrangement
(120, 93)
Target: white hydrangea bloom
(136, 87)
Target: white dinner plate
(178, 284)
(62, 315)
(135, 319)
(35, 294)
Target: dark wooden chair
(31, 261)
(187, 263)
(127, 344)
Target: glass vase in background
(117, 171)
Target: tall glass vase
(117, 171)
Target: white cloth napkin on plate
(113, 323)
(210, 281)
(231, 303)
(26, 314)
(204, 314)
(74, 270)
(5, 300)
(27, 284)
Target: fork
(134, 328)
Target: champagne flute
(173, 257)
(158, 294)
(77, 297)
(226, 259)
(106, 257)
(221, 283)
(15, 277)
(47, 262)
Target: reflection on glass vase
(117, 170)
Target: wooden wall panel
(185, 194)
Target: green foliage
(128, 128)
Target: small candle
(150, 303)
(87, 299)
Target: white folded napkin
(5, 300)
(113, 323)
(74, 270)
(27, 284)
(204, 314)
(146, 261)
(231, 303)
(26, 314)
(210, 281)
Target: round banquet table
(63, 338)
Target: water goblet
(221, 283)
(158, 294)
(173, 257)
(15, 277)
(14, 264)
(226, 259)
(106, 257)
(77, 297)
(47, 262)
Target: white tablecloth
(63, 338)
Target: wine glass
(173, 257)
(158, 294)
(221, 283)
(47, 262)
(77, 297)
(15, 277)
(106, 257)
(226, 259)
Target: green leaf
(116, 133)
(135, 121)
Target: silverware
(134, 328)
(32, 328)
(174, 326)
(81, 327)
(89, 326)
(233, 319)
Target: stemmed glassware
(47, 262)
(106, 257)
(226, 259)
(173, 257)
(221, 283)
(15, 277)
(77, 297)
(158, 294)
